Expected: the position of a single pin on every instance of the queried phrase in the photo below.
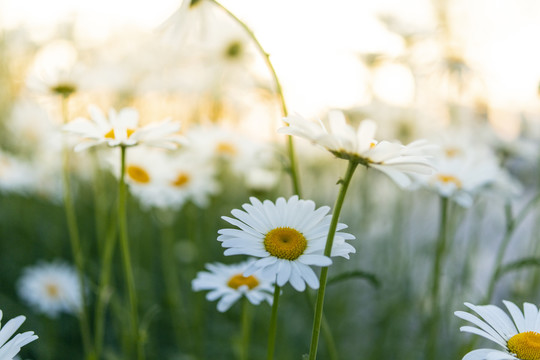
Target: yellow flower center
(110, 134)
(181, 180)
(285, 243)
(138, 174)
(452, 152)
(525, 346)
(238, 280)
(226, 149)
(449, 179)
(52, 290)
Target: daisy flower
(519, 336)
(287, 236)
(122, 129)
(227, 283)
(342, 140)
(51, 288)
(9, 349)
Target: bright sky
(315, 43)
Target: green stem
(273, 323)
(76, 243)
(104, 291)
(246, 329)
(326, 331)
(440, 252)
(126, 257)
(290, 143)
(317, 319)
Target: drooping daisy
(228, 283)
(51, 288)
(288, 236)
(122, 129)
(519, 336)
(342, 140)
(9, 349)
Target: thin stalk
(273, 323)
(290, 143)
(246, 329)
(317, 319)
(126, 257)
(76, 244)
(104, 290)
(440, 253)
(326, 332)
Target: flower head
(519, 336)
(287, 236)
(342, 140)
(51, 288)
(122, 129)
(9, 349)
(228, 284)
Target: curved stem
(76, 244)
(126, 257)
(351, 167)
(290, 143)
(273, 324)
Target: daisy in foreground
(288, 236)
(359, 146)
(519, 336)
(122, 129)
(9, 349)
(228, 284)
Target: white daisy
(9, 349)
(342, 140)
(51, 288)
(228, 284)
(287, 236)
(122, 129)
(519, 336)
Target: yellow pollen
(138, 174)
(285, 243)
(448, 179)
(372, 145)
(110, 134)
(181, 180)
(525, 346)
(52, 290)
(452, 152)
(226, 148)
(238, 280)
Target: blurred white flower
(518, 336)
(227, 283)
(122, 129)
(464, 170)
(16, 175)
(51, 288)
(342, 140)
(288, 236)
(9, 349)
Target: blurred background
(463, 74)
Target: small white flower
(519, 336)
(342, 140)
(228, 284)
(122, 129)
(9, 349)
(51, 288)
(287, 236)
